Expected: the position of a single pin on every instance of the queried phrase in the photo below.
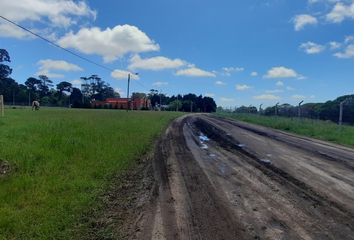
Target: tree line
(324, 111)
(63, 94)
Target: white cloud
(254, 74)
(290, 88)
(123, 75)
(279, 84)
(340, 12)
(274, 91)
(300, 21)
(266, 97)
(220, 83)
(349, 39)
(46, 67)
(242, 87)
(53, 13)
(159, 84)
(312, 48)
(347, 53)
(209, 94)
(228, 70)
(7, 30)
(61, 65)
(334, 45)
(77, 83)
(225, 99)
(298, 97)
(155, 63)
(281, 72)
(111, 44)
(194, 72)
(120, 91)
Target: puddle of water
(212, 155)
(204, 146)
(203, 138)
(266, 161)
(269, 155)
(241, 145)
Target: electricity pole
(260, 109)
(128, 99)
(341, 104)
(299, 109)
(276, 109)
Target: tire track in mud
(223, 190)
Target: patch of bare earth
(211, 178)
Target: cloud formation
(266, 97)
(194, 72)
(123, 75)
(312, 48)
(111, 43)
(348, 52)
(302, 20)
(242, 87)
(340, 12)
(49, 13)
(155, 63)
(46, 66)
(159, 84)
(281, 72)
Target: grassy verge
(61, 161)
(323, 130)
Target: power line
(56, 45)
(68, 51)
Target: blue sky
(238, 52)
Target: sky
(246, 52)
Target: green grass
(62, 160)
(322, 130)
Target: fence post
(1, 105)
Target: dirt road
(221, 179)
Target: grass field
(323, 130)
(61, 160)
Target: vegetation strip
(62, 160)
(322, 130)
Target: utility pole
(29, 97)
(1, 105)
(160, 100)
(128, 99)
(299, 109)
(276, 109)
(191, 106)
(341, 104)
(260, 109)
(177, 104)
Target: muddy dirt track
(222, 179)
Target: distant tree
(76, 98)
(44, 86)
(5, 70)
(32, 85)
(64, 87)
(137, 95)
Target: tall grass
(61, 160)
(322, 130)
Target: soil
(213, 178)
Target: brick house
(122, 103)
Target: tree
(33, 86)
(44, 85)
(5, 70)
